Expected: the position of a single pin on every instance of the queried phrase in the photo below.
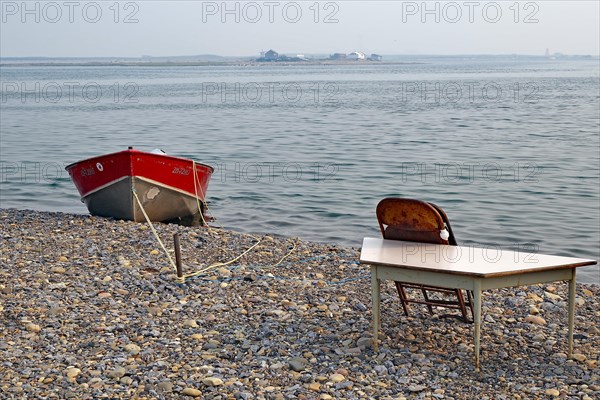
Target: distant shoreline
(200, 63)
(218, 61)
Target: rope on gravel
(181, 280)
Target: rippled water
(509, 147)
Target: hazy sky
(243, 28)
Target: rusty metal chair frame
(419, 221)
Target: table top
(461, 260)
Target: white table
(462, 267)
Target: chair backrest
(413, 221)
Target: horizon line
(311, 54)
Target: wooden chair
(418, 221)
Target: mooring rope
(154, 230)
(182, 279)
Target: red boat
(169, 188)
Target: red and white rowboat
(169, 188)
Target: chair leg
(403, 298)
(461, 304)
(470, 300)
(427, 300)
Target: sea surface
(508, 146)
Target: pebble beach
(91, 308)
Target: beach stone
(297, 364)
(126, 380)
(165, 386)
(534, 319)
(549, 306)
(31, 327)
(552, 296)
(315, 387)
(364, 342)
(58, 270)
(276, 366)
(539, 337)
(72, 372)
(211, 344)
(578, 357)
(381, 370)
(63, 259)
(132, 348)
(533, 310)
(117, 373)
(124, 262)
(335, 378)
(593, 330)
(416, 388)
(346, 385)
(58, 285)
(54, 310)
(190, 323)
(191, 392)
(212, 381)
(535, 297)
(552, 392)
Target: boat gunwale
(134, 151)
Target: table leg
(572, 284)
(375, 298)
(477, 319)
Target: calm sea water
(509, 147)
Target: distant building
(338, 56)
(271, 55)
(375, 57)
(357, 55)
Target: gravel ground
(90, 308)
